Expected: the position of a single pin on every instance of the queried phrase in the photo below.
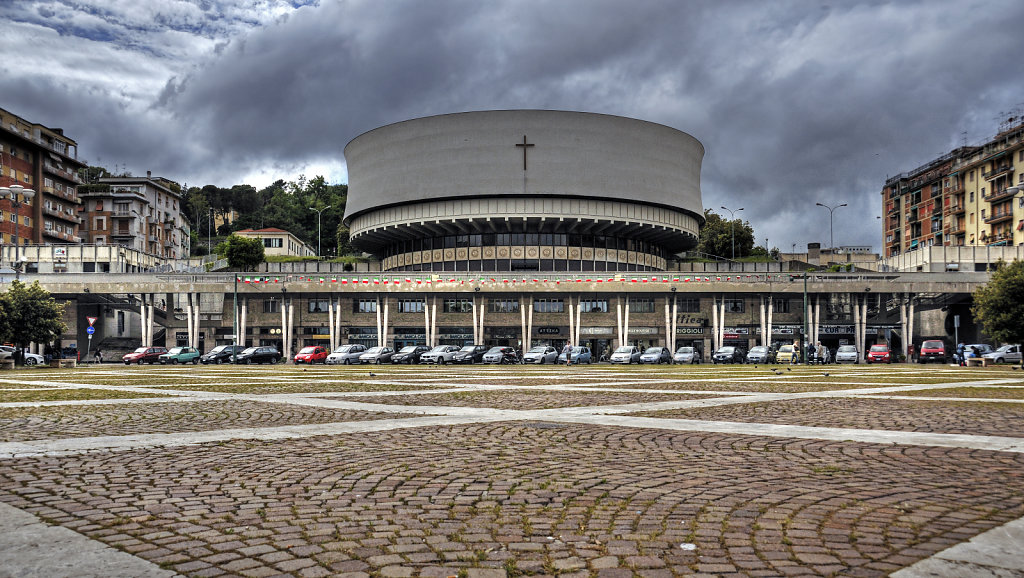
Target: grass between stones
(69, 395)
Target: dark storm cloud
(795, 102)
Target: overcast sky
(795, 102)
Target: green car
(180, 355)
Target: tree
(716, 236)
(30, 315)
(242, 254)
(999, 305)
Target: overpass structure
(602, 310)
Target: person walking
(567, 352)
(960, 354)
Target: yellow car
(786, 355)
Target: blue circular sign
(90, 330)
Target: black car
(471, 354)
(264, 354)
(730, 354)
(221, 354)
(409, 354)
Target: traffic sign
(90, 330)
(92, 320)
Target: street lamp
(732, 228)
(831, 244)
(12, 193)
(318, 212)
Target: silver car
(540, 354)
(377, 355)
(441, 354)
(346, 354)
(626, 354)
(686, 355)
(847, 354)
(655, 355)
(577, 355)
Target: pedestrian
(960, 354)
(567, 352)
(98, 356)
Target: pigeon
(372, 374)
(788, 369)
(825, 374)
(755, 367)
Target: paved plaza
(488, 471)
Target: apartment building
(42, 159)
(278, 242)
(141, 213)
(971, 196)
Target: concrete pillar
(817, 318)
(529, 325)
(150, 312)
(764, 325)
(291, 328)
(522, 318)
(579, 322)
(332, 337)
(380, 330)
(768, 325)
(337, 321)
(625, 322)
(197, 311)
(483, 309)
(572, 319)
(242, 328)
(384, 341)
(910, 321)
(857, 335)
(714, 324)
(142, 321)
(903, 323)
(668, 324)
(721, 324)
(284, 327)
(675, 322)
(618, 320)
(433, 322)
(189, 320)
(426, 322)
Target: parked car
(656, 355)
(409, 354)
(221, 354)
(729, 354)
(311, 354)
(30, 359)
(541, 354)
(501, 354)
(689, 355)
(787, 354)
(142, 355)
(377, 355)
(1005, 354)
(847, 354)
(441, 354)
(933, 350)
(626, 354)
(879, 353)
(761, 354)
(177, 355)
(470, 354)
(577, 355)
(261, 354)
(345, 354)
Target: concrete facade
(530, 183)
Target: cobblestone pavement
(289, 477)
(959, 416)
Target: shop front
(644, 337)
(691, 337)
(555, 335)
(598, 339)
(503, 336)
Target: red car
(142, 355)
(933, 350)
(879, 354)
(312, 354)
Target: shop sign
(363, 336)
(181, 334)
(597, 330)
(462, 336)
(693, 320)
(549, 330)
(834, 329)
(504, 336)
(644, 330)
(737, 330)
(689, 330)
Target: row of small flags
(486, 280)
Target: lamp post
(318, 212)
(831, 243)
(12, 193)
(732, 228)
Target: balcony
(57, 235)
(122, 234)
(64, 215)
(1004, 238)
(1005, 193)
(997, 172)
(998, 217)
(60, 172)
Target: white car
(1005, 354)
(441, 354)
(540, 354)
(847, 354)
(346, 354)
(6, 351)
(626, 354)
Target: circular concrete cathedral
(524, 190)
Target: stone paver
(563, 476)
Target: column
(910, 321)
(522, 318)
(332, 337)
(768, 325)
(384, 340)
(142, 320)
(476, 324)
(625, 322)
(433, 322)
(483, 309)
(618, 319)
(291, 328)
(903, 323)
(189, 320)
(197, 311)
(529, 325)
(764, 326)
(284, 326)
(855, 307)
(380, 331)
(579, 323)
(721, 324)
(668, 324)
(714, 324)
(242, 328)
(675, 322)
(149, 321)
(426, 322)
(817, 318)
(337, 321)
(572, 319)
